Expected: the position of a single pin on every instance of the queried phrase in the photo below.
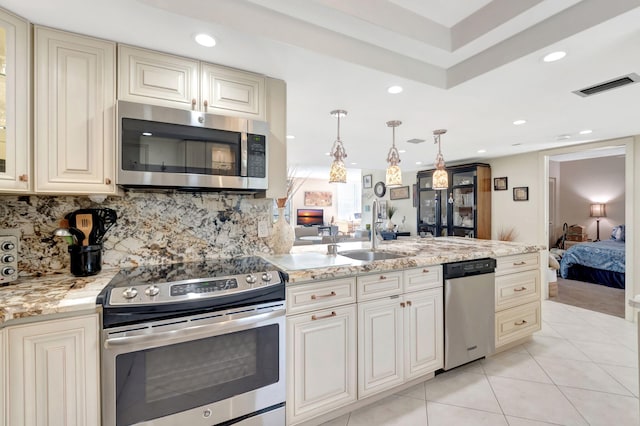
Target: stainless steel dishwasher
(469, 311)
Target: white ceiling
(469, 66)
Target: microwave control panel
(257, 156)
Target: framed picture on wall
(500, 184)
(367, 181)
(399, 193)
(521, 193)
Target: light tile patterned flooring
(580, 369)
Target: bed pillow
(617, 233)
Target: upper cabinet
(14, 104)
(157, 78)
(463, 209)
(74, 113)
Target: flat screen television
(309, 217)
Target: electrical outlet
(9, 245)
(263, 228)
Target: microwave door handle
(244, 152)
(194, 332)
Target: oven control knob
(129, 293)
(7, 258)
(8, 271)
(152, 290)
(251, 278)
(266, 277)
(8, 246)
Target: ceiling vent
(416, 141)
(608, 85)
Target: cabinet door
(14, 104)
(74, 114)
(53, 372)
(424, 336)
(228, 91)
(321, 362)
(156, 78)
(380, 345)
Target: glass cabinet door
(428, 211)
(464, 204)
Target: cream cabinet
(517, 298)
(321, 348)
(400, 327)
(161, 79)
(74, 113)
(15, 151)
(53, 372)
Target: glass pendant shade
(338, 172)
(440, 178)
(394, 173)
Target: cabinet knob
(193, 104)
(408, 302)
(425, 271)
(402, 304)
(206, 105)
(107, 181)
(382, 277)
(23, 178)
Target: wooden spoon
(84, 222)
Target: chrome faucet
(374, 220)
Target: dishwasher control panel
(469, 267)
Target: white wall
(595, 180)
(523, 216)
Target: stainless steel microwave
(174, 148)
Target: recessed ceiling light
(563, 137)
(519, 122)
(395, 90)
(205, 40)
(516, 144)
(353, 164)
(291, 137)
(327, 153)
(418, 162)
(482, 151)
(586, 131)
(554, 56)
(147, 133)
(402, 151)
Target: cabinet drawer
(515, 323)
(308, 297)
(379, 285)
(517, 263)
(422, 278)
(517, 289)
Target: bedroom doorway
(576, 178)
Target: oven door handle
(196, 331)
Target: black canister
(85, 260)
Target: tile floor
(580, 369)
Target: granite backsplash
(152, 228)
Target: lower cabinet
(399, 338)
(53, 372)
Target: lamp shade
(598, 210)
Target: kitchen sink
(370, 256)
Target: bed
(601, 262)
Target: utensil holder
(85, 260)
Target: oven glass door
(173, 148)
(161, 381)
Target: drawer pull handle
(314, 297)
(331, 315)
(426, 271)
(520, 289)
(519, 263)
(402, 304)
(408, 302)
(521, 322)
(382, 277)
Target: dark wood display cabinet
(464, 209)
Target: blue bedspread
(607, 255)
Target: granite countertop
(31, 297)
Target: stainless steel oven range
(194, 344)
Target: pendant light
(338, 172)
(440, 176)
(394, 174)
